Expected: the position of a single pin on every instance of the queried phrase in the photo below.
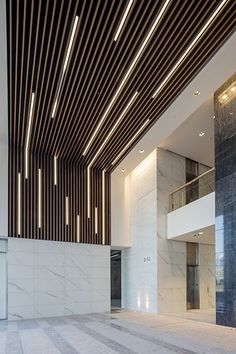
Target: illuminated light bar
(19, 206)
(130, 142)
(88, 191)
(40, 199)
(157, 20)
(228, 95)
(65, 63)
(78, 228)
(55, 170)
(96, 220)
(216, 12)
(67, 211)
(28, 134)
(123, 19)
(114, 127)
(103, 208)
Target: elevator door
(3, 279)
(115, 279)
(192, 287)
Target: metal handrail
(205, 186)
(193, 180)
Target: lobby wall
(56, 278)
(207, 276)
(139, 262)
(154, 267)
(171, 255)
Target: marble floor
(124, 332)
(197, 315)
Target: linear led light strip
(130, 142)
(28, 134)
(103, 207)
(123, 20)
(101, 147)
(55, 170)
(67, 210)
(128, 73)
(190, 47)
(19, 205)
(78, 228)
(114, 127)
(39, 198)
(88, 191)
(65, 63)
(96, 220)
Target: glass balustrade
(193, 190)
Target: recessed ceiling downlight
(201, 134)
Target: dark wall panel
(225, 226)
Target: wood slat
(38, 37)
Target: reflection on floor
(124, 333)
(208, 316)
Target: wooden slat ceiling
(38, 37)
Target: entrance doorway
(192, 276)
(3, 279)
(115, 280)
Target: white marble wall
(207, 276)
(48, 278)
(139, 263)
(171, 255)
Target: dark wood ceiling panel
(39, 33)
(38, 37)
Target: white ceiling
(208, 236)
(209, 79)
(185, 140)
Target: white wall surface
(171, 255)
(120, 212)
(47, 278)
(191, 217)
(139, 263)
(207, 277)
(3, 124)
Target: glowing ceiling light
(55, 170)
(103, 208)
(67, 210)
(134, 62)
(216, 12)
(96, 220)
(28, 134)
(201, 134)
(130, 142)
(228, 95)
(78, 228)
(39, 198)
(114, 127)
(65, 63)
(19, 206)
(123, 19)
(88, 192)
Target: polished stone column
(225, 227)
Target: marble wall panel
(47, 278)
